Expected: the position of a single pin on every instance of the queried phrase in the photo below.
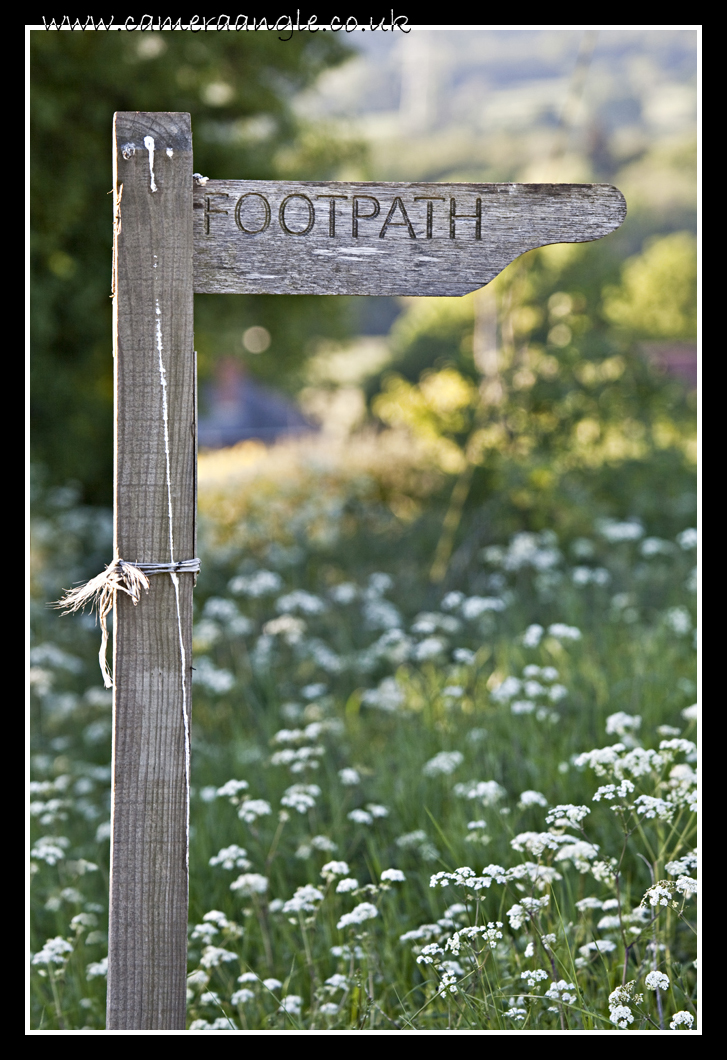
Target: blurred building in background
(235, 408)
(677, 359)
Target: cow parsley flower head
(443, 763)
(683, 865)
(301, 797)
(346, 884)
(233, 857)
(360, 817)
(97, 969)
(621, 1016)
(213, 956)
(656, 981)
(597, 946)
(349, 777)
(251, 809)
(621, 723)
(335, 868)
(488, 792)
(304, 900)
(535, 975)
(650, 806)
(393, 875)
(659, 894)
(610, 791)
(686, 886)
(532, 798)
(681, 1019)
(363, 911)
(249, 884)
(54, 952)
(566, 813)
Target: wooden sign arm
(315, 237)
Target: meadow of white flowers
(471, 807)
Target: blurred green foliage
(238, 90)
(572, 407)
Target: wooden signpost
(175, 234)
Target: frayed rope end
(99, 593)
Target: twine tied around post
(119, 575)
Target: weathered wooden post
(154, 513)
(172, 236)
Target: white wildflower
(615, 532)
(306, 603)
(649, 806)
(535, 975)
(477, 605)
(658, 894)
(681, 1019)
(394, 875)
(687, 886)
(621, 1016)
(580, 853)
(597, 946)
(363, 911)
(533, 635)
(53, 952)
(347, 884)
(250, 883)
(563, 632)
(488, 792)
(334, 868)
(656, 981)
(536, 842)
(304, 900)
(388, 696)
(50, 849)
(620, 723)
(349, 777)
(233, 857)
(515, 1013)
(360, 817)
(301, 797)
(345, 593)
(291, 1004)
(561, 991)
(443, 763)
(241, 997)
(261, 583)
(251, 809)
(212, 956)
(508, 688)
(97, 969)
(684, 864)
(678, 620)
(532, 798)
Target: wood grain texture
(288, 237)
(153, 322)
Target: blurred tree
(569, 400)
(657, 295)
(238, 89)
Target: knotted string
(120, 575)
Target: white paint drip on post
(149, 145)
(170, 512)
